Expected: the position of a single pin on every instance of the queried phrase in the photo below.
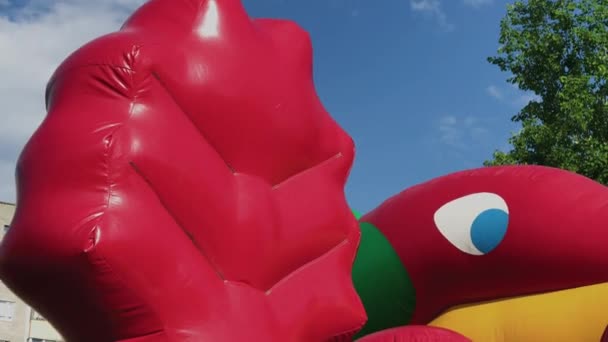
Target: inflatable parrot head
(517, 251)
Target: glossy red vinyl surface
(415, 333)
(556, 223)
(187, 185)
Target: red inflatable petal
(187, 185)
(415, 333)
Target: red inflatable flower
(187, 185)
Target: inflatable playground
(187, 185)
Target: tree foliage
(558, 50)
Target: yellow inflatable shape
(573, 315)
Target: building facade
(18, 322)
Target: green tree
(558, 50)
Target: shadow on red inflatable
(187, 184)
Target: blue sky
(409, 80)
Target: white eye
(475, 224)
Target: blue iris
(489, 229)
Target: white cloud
(495, 92)
(477, 3)
(512, 95)
(34, 40)
(425, 5)
(7, 186)
(432, 7)
(524, 99)
(460, 133)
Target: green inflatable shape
(382, 282)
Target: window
(7, 310)
(36, 317)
